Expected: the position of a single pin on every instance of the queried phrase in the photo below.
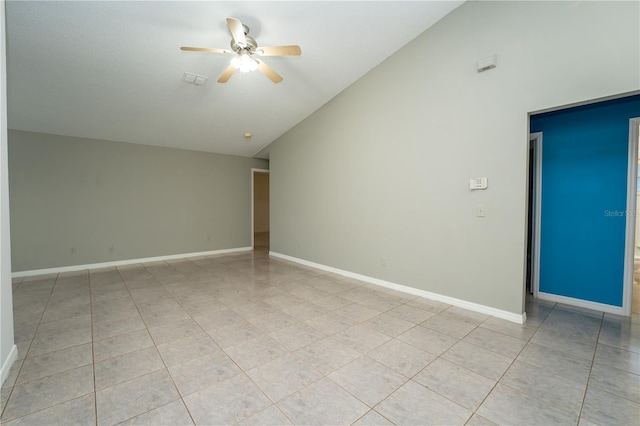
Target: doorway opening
(581, 232)
(632, 255)
(260, 230)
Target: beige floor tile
(214, 320)
(332, 302)
(42, 393)
(362, 338)
(464, 315)
(255, 352)
(479, 360)
(381, 303)
(270, 416)
(102, 330)
(414, 404)
(297, 336)
(367, 380)
(402, 357)
(5, 392)
(330, 323)
(478, 420)
(116, 404)
(621, 334)
(389, 324)
(507, 406)
(273, 322)
(283, 376)
(322, 403)
(545, 386)
(429, 305)
(449, 326)
(58, 340)
(20, 334)
(232, 335)
(556, 361)
(13, 373)
(174, 413)
(373, 418)
(164, 316)
(410, 313)
(181, 350)
(357, 312)
(228, 402)
(200, 373)
(618, 358)
(63, 325)
(557, 339)
(327, 355)
(494, 341)
(80, 411)
(126, 367)
(66, 311)
(305, 311)
(519, 331)
(428, 340)
(121, 344)
(52, 363)
(174, 330)
(617, 382)
(602, 408)
(455, 383)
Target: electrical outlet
(111, 249)
(383, 261)
(73, 250)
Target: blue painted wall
(584, 197)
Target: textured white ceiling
(113, 69)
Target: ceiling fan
(245, 47)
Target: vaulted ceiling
(114, 70)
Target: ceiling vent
(198, 80)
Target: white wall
(382, 171)
(7, 347)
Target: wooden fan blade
(269, 72)
(226, 75)
(292, 50)
(204, 49)
(237, 32)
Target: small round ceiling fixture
(248, 135)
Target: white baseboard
(510, 316)
(8, 363)
(73, 268)
(601, 307)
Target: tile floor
(245, 339)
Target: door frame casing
(630, 232)
(253, 174)
(536, 139)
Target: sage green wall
(380, 175)
(7, 346)
(143, 201)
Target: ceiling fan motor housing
(251, 46)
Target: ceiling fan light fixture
(244, 62)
